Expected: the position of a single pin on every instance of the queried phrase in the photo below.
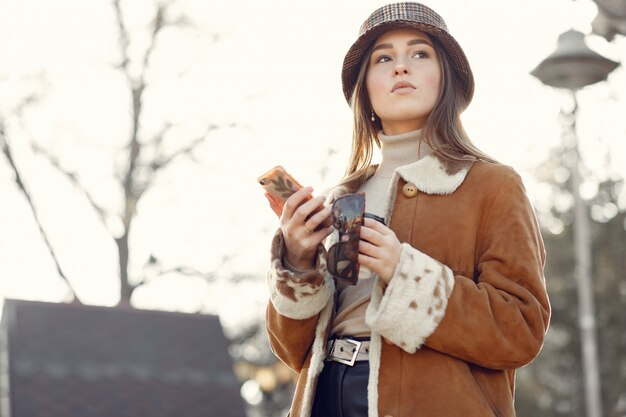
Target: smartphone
(280, 185)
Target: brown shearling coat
(466, 306)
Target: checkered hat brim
(405, 15)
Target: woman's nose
(400, 69)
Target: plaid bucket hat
(412, 16)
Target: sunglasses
(346, 216)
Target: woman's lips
(402, 87)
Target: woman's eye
(420, 54)
(383, 58)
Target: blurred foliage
(267, 384)
(553, 384)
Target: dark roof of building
(68, 360)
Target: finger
(376, 266)
(370, 250)
(311, 240)
(376, 225)
(307, 208)
(274, 205)
(368, 262)
(371, 235)
(295, 200)
(321, 217)
(322, 234)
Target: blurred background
(132, 133)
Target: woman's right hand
(299, 230)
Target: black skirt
(342, 390)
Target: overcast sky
(272, 69)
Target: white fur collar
(432, 175)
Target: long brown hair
(443, 130)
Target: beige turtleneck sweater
(397, 150)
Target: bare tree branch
(163, 162)
(134, 180)
(191, 272)
(25, 102)
(183, 22)
(73, 177)
(32, 97)
(132, 193)
(135, 176)
(18, 179)
(159, 23)
(123, 38)
(157, 139)
(158, 272)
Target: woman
(451, 296)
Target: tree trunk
(126, 289)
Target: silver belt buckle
(350, 362)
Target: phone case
(279, 184)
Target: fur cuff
(414, 302)
(298, 295)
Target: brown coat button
(409, 190)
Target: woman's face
(403, 79)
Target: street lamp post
(611, 18)
(573, 66)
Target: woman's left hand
(379, 249)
